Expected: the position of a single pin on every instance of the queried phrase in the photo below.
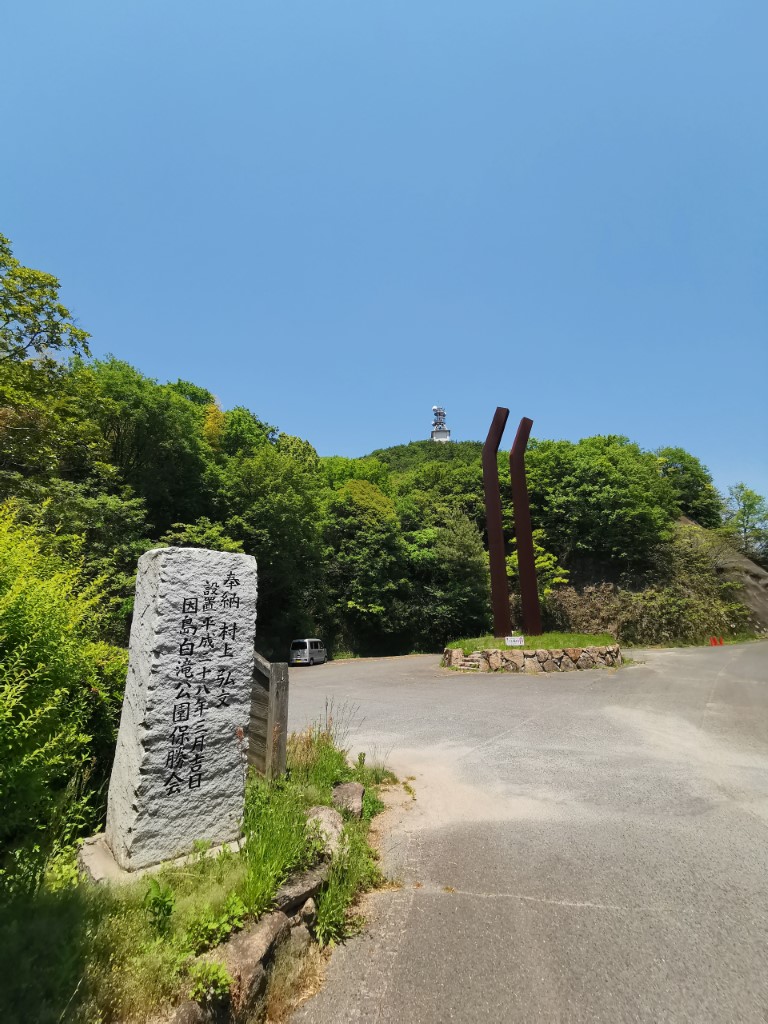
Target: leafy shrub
(685, 599)
(210, 928)
(211, 983)
(59, 694)
(159, 902)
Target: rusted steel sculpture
(502, 620)
(529, 592)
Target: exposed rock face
(179, 770)
(532, 662)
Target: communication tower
(439, 430)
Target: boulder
(330, 824)
(533, 665)
(299, 889)
(585, 661)
(348, 796)
(300, 940)
(550, 666)
(494, 660)
(542, 655)
(574, 653)
(512, 661)
(242, 956)
(566, 665)
(309, 913)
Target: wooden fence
(268, 728)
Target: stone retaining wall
(533, 661)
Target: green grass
(548, 641)
(83, 953)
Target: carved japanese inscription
(179, 771)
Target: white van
(307, 652)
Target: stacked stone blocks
(532, 662)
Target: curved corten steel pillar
(502, 621)
(529, 592)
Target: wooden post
(277, 721)
(268, 729)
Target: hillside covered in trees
(378, 555)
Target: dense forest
(378, 555)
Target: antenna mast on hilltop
(439, 430)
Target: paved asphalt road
(584, 847)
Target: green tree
(548, 573)
(271, 504)
(746, 518)
(692, 483)
(337, 470)
(365, 564)
(32, 320)
(243, 432)
(601, 498)
(155, 439)
(449, 595)
(202, 534)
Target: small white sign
(514, 641)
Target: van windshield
(299, 645)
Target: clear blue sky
(341, 213)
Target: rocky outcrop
(533, 661)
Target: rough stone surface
(309, 912)
(513, 661)
(300, 939)
(242, 955)
(299, 888)
(179, 768)
(348, 796)
(539, 660)
(331, 825)
(188, 1012)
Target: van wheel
(311, 661)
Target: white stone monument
(180, 764)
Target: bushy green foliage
(692, 483)
(60, 688)
(32, 320)
(365, 567)
(548, 573)
(211, 983)
(110, 954)
(278, 840)
(353, 870)
(746, 521)
(601, 496)
(686, 601)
